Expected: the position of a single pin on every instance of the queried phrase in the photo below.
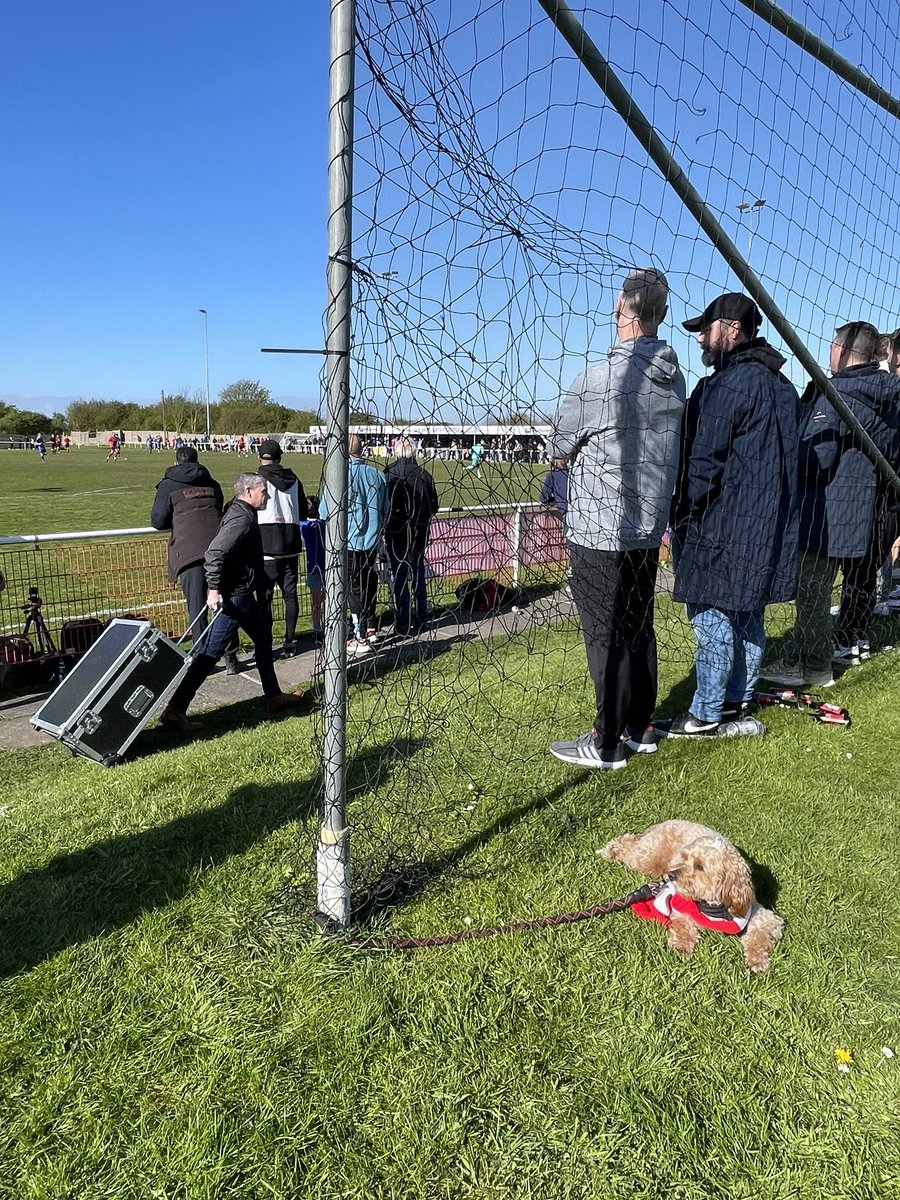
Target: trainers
(846, 656)
(584, 752)
(883, 608)
(645, 742)
(786, 674)
(736, 710)
(358, 649)
(289, 649)
(817, 679)
(686, 725)
(374, 636)
(232, 666)
(864, 648)
(177, 721)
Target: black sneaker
(686, 725)
(232, 666)
(735, 710)
(645, 742)
(584, 752)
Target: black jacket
(189, 502)
(413, 502)
(839, 486)
(734, 515)
(279, 521)
(234, 559)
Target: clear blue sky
(160, 157)
(165, 157)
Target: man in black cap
(734, 514)
(279, 527)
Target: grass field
(172, 1025)
(81, 491)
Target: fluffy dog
(713, 881)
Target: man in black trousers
(189, 502)
(235, 576)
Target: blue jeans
(729, 655)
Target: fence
(107, 573)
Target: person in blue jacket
(840, 494)
(734, 513)
(367, 511)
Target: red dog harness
(710, 916)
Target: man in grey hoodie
(619, 426)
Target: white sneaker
(846, 656)
(784, 674)
(356, 649)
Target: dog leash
(373, 942)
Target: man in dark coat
(734, 515)
(235, 576)
(840, 495)
(279, 527)
(413, 502)
(189, 502)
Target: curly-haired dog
(708, 886)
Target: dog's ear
(736, 888)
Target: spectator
(555, 488)
(367, 510)
(734, 516)
(189, 502)
(618, 425)
(840, 523)
(412, 499)
(313, 533)
(279, 527)
(235, 575)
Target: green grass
(81, 491)
(172, 1027)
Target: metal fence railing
(114, 572)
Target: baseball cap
(269, 449)
(731, 307)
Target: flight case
(112, 692)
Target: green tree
(20, 420)
(245, 392)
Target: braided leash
(646, 892)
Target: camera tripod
(34, 620)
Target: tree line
(242, 407)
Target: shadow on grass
(108, 884)
(401, 884)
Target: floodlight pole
(624, 103)
(333, 849)
(205, 316)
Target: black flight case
(112, 692)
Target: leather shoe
(179, 722)
(283, 701)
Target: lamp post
(205, 316)
(751, 208)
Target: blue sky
(159, 158)
(165, 157)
